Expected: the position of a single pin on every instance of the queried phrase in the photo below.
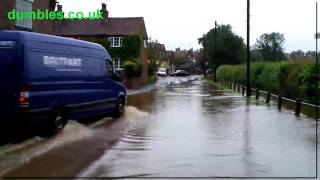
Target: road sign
(317, 36)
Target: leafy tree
(256, 55)
(222, 46)
(131, 46)
(299, 54)
(152, 53)
(311, 54)
(180, 61)
(271, 46)
(201, 62)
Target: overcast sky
(179, 23)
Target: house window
(115, 41)
(145, 43)
(24, 6)
(118, 64)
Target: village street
(179, 127)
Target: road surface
(178, 128)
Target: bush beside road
(291, 79)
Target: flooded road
(179, 128)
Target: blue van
(46, 80)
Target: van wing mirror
(116, 76)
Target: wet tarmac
(179, 128)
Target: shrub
(308, 83)
(133, 68)
(130, 68)
(152, 67)
(256, 71)
(268, 79)
(292, 79)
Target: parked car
(162, 72)
(181, 73)
(46, 80)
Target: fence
(257, 93)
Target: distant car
(162, 72)
(181, 73)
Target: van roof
(29, 37)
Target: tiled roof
(109, 27)
(182, 53)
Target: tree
(299, 54)
(311, 54)
(180, 61)
(222, 46)
(256, 55)
(152, 53)
(131, 46)
(271, 46)
(201, 62)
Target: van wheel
(57, 120)
(119, 109)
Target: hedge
(292, 79)
(133, 68)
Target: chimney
(52, 5)
(104, 11)
(59, 8)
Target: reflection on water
(198, 130)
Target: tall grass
(292, 79)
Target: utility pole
(316, 79)
(248, 50)
(215, 52)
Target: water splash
(133, 113)
(13, 155)
(9, 148)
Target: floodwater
(178, 128)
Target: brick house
(172, 55)
(159, 53)
(26, 5)
(184, 53)
(113, 30)
(110, 29)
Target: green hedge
(133, 68)
(292, 79)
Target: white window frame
(115, 41)
(24, 6)
(118, 64)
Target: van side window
(109, 68)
